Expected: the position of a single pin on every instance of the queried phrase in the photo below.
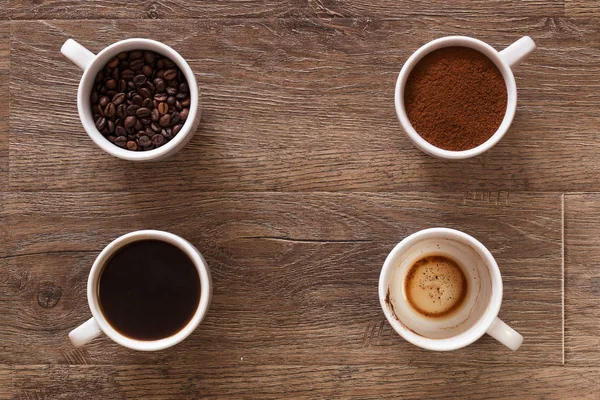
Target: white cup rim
(190, 251)
(100, 60)
(470, 335)
(488, 51)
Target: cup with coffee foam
(441, 289)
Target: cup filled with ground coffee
(138, 98)
(441, 289)
(456, 96)
(147, 290)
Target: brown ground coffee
(455, 98)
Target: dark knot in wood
(49, 294)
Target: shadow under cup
(469, 314)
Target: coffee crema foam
(435, 286)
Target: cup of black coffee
(147, 290)
(138, 99)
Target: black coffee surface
(149, 290)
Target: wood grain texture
(582, 279)
(307, 105)
(582, 8)
(4, 110)
(6, 385)
(295, 275)
(138, 9)
(239, 380)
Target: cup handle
(518, 51)
(85, 332)
(75, 52)
(505, 334)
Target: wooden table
(296, 186)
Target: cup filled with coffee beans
(456, 96)
(147, 290)
(138, 98)
(441, 289)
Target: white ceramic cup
(504, 60)
(479, 313)
(91, 64)
(98, 324)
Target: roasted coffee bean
(118, 98)
(144, 141)
(184, 114)
(132, 109)
(131, 145)
(139, 80)
(120, 131)
(176, 129)
(110, 126)
(135, 54)
(167, 133)
(142, 112)
(149, 57)
(127, 74)
(165, 120)
(148, 103)
(150, 86)
(155, 115)
(130, 121)
(147, 70)
(155, 127)
(109, 111)
(137, 100)
(145, 93)
(163, 108)
(122, 111)
(121, 141)
(158, 140)
(136, 65)
(160, 97)
(104, 100)
(101, 123)
(160, 85)
(140, 95)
